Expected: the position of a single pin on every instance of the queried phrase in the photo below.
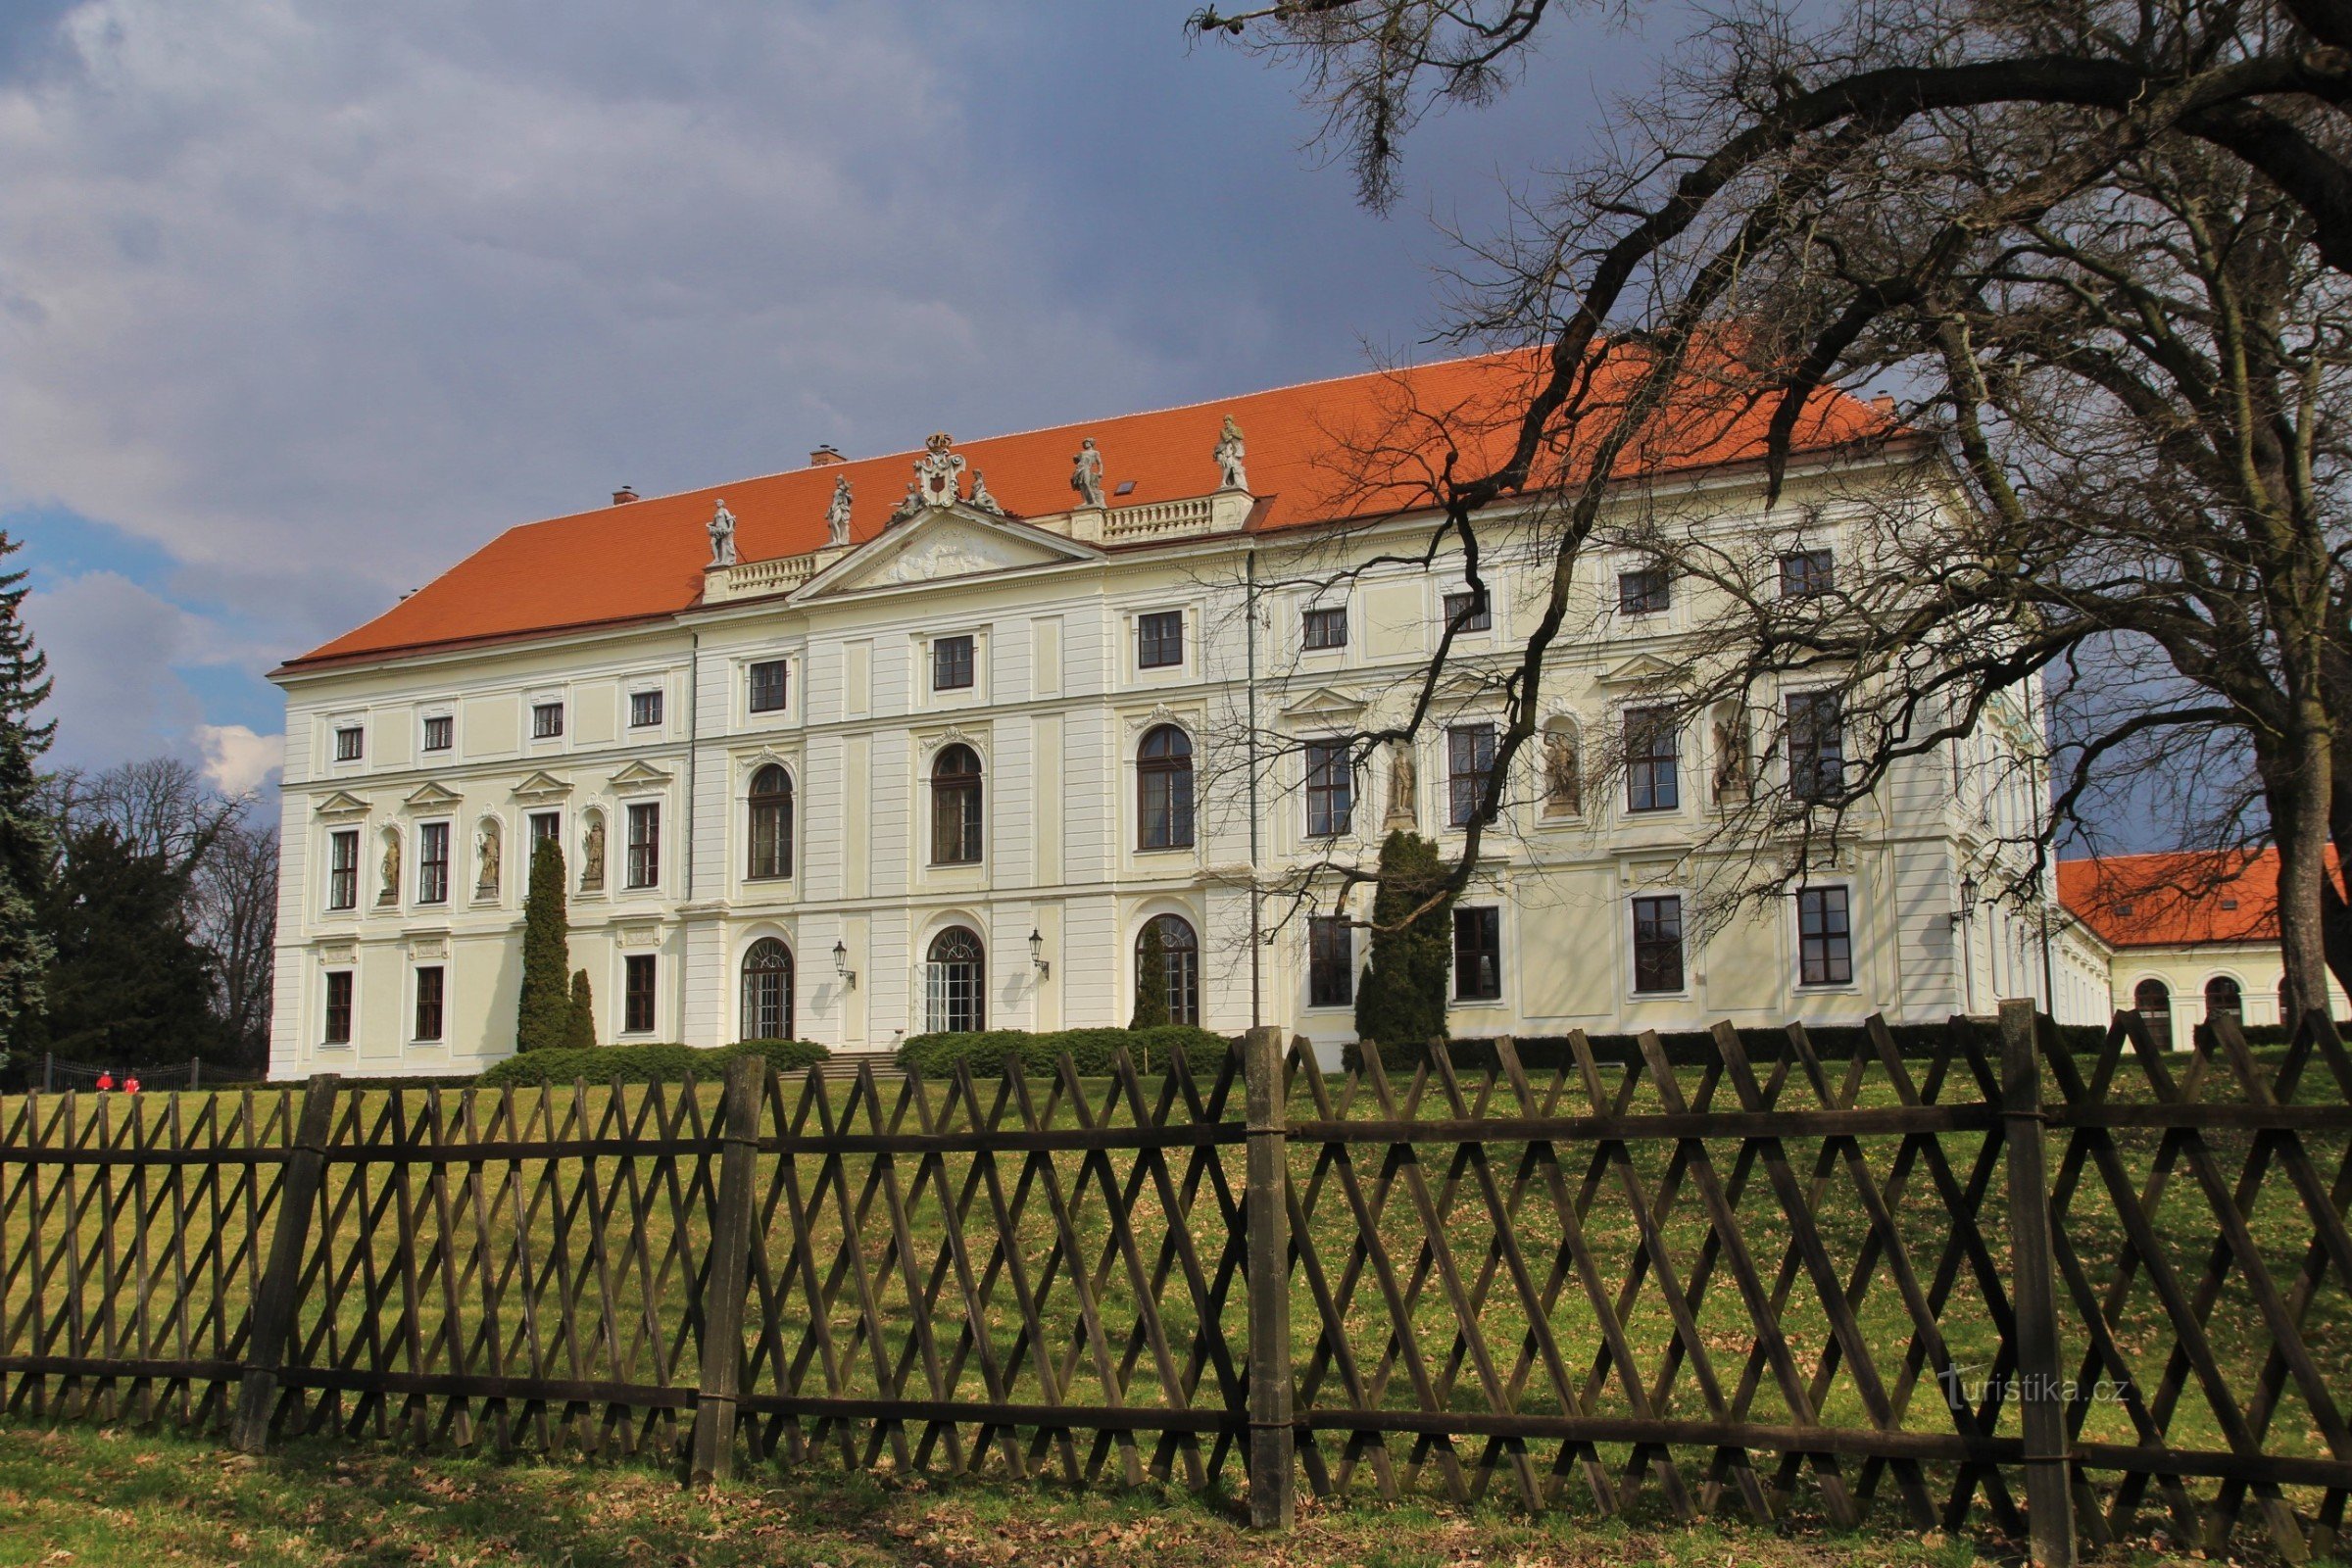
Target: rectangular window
(429, 1002)
(1807, 573)
(637, 994)
(951, 665)
(547, 828)
(1816, 746)
(343, 868)
(1330, 962)
(432, 864)
(440, 733)
(1330, 790)
(1326, 629)
(1825, 938)
(1468, 610)
(350, 741)
(1469, 756)
(1651, 756)
(645, 709)
(645, 844)
(338, 1009)
(1159, 639)
(771, 684)
(1476, 955)
(547, 720)
(1647, 592)
(1657, 944)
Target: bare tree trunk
(2300, 797)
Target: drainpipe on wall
(1256, 941)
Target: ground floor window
(429, 982)
(2223, 995)
(1180, 970)
(1657, 944)
(637, 994)
(1330, 962)
(1824, 939)
(1476, 955)
(767, 991)
(955, 983)
(338, 1009)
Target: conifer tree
(1151, 981)
(27, 845)
(543, 1016)
(579, 1033)
(1402, 1002)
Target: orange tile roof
(644, 560)
(2175, 899)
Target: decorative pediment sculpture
(723, 536)
(1086, 473)
(980, 498)
(837, 514)
(1231, 476)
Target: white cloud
(236, 760)
(112, 645)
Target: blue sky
(301, 301)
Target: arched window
(767, 991)
(771, 822)
(2153, 1000)
(956, 807)
(956, 983)
(1163, 790)
(2221, 995)
(1180, 972)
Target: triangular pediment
(542, 786)
(431, 797)
(342, 803)
(1323, 706)
(638, 775)
(1643, 670)
(943, 543)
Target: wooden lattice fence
(1990, 1282)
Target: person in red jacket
(130, 1083)
(106, 1083)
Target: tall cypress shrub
(579, 1031)
(1151, 981)
(542, 1017)
(1402, 999)
(27, 845)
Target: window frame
(640, 1001)
(1169, 822)
(339, 1007)
(781, 802)
(970, 795)
(641, 700)
(342, 880)
(1481, 617)
(944, 661)
(1483, 922)
(756, 685)
(437, 1003)
(1323, 931)
(439, 733)
(1643, 788)
(1644, 591)
(641, 827)
(1658, 904)
(1808, 573)
(1816, 770)
(1179, 982)
(542, 727)
(1152, 629)
(349, 743)
(778, 968)
(1337, 782)
(1465, 790)
(433, 868)
(939, 1005)
(1835, 946)
(1315, 627)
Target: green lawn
(102, 1498)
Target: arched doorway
(956, 983)
(1180, 976)
(767, 991)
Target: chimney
(1883, 404)
(828, 453)
(624, 495)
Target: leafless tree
(234, 899)
(2100, 251)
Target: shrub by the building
(1832, 1042)
(1092, 1050)
(643, 1064)
(1402, 998)
(580, 1025)
(542, 1014)
(1150, 980)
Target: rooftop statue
(1231, 476)
(723, 536)
(1086, 473)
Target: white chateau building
(834, 755)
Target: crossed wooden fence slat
(2040, 1292)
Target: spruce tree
(27, 845)
(129, 983)
(579, 1033)
(543, 1016)
(1402, 1002)
(1151, 981)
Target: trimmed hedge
(644, 1064)
(1092, 1049)
(1686, 1049)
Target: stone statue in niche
(837, 514)
(390, 892)
(1086, 473)
(1734, 777)
(981, 498)
(1563, 775)
(723, 536)
(1405, 788)
(592, 855)
(1231, 476)
(486, 848)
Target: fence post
(2034, 1295)
(273, 1303)
(1273, 1481)
(729, 1274)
